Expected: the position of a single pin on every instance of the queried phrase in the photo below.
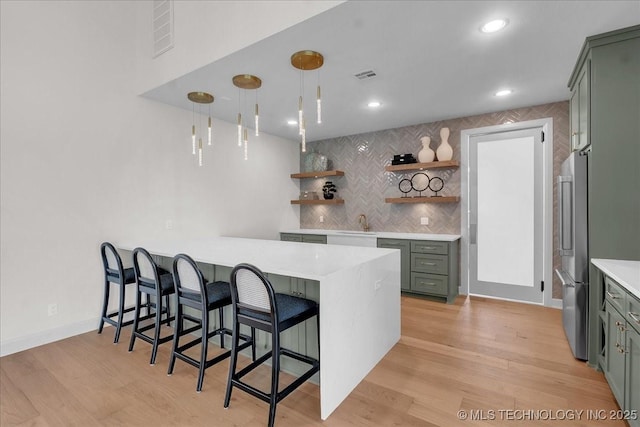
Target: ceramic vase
(444, 151)
(426, 155)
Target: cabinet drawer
(429, 283)
(314, 238)
(614, 294)
(632, 312)
(287, 237)
(429, 247)
(427, 263)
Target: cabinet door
(615, 356)
(584, 103)
(632, 386)
(288, 237)
(574, 106)
(405, 259)
(314, 238)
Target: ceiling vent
(365, 75)
(162, 26)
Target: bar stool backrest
(112, 262)
(253, 296)
(188, 279)
(145, 267)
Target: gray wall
(366, 184)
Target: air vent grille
(363, 75)
(162, 26)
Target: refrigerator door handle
(565, 279)
(565, 215)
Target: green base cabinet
(405, 259)
(620, 351)
(427, 268)
(305, 238)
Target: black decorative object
(416, 183)
(403, 159)
(436, 184)
(328, 189)
(405, 186)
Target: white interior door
(506, 230)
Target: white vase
(444, 151)
(426, 155)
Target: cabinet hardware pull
(612, 296)
(429, 283)
(428, 263)
(635, 317)
(619, 323)
(621, 350)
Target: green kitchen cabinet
(620, 345)
(605, 107)
(632, 352)
(614, 366)
(428, 268)
(405, 259)
(305, 238)
(632, 386)
(579, 108)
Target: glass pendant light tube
(318, 106)
(246, 145)
(239, 129)
(209, 128)
(200, 152)
(257, 121)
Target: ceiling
(431, 63)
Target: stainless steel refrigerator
(573, 247)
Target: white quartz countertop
(625, 273)
(380, 234)
(302, 260)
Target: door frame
(547, 200)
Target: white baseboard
(15, 345)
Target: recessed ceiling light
(503, 92)
(292, 122)
(495, 25)
(373, 104)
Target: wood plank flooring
(502, 363)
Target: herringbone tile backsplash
(365, 184)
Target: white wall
(206, 31)
(83, 160)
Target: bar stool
(191, 291)
(256, 304)
(114, 273)
(152, 281)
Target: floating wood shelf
(439, 199)
(318, 202)
(318, 174)
(422, 166)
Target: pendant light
(247, 82)
(306, 60)
(200, 98)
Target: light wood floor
(476, 354)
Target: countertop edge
(379, 234)
(622, 271)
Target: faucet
(362, 220)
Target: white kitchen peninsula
(359, 297)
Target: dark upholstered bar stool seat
(157, 284)
(191, 291)
(256, 304)
(114, 273)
